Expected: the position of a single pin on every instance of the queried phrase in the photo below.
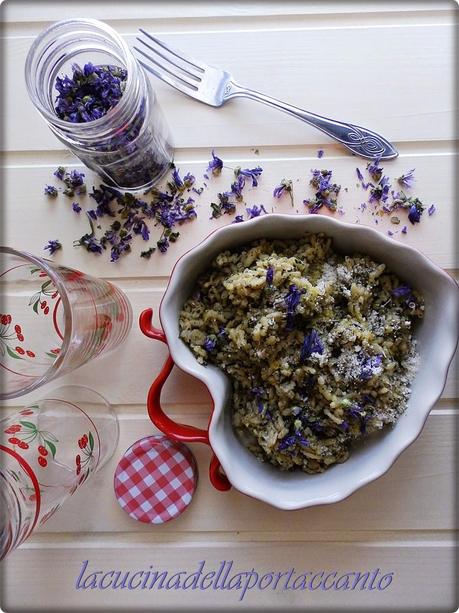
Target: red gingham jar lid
(155, 479)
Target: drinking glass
(47, 451)
(54, 319)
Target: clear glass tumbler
(54, 319)
(130, 146)
(48, 450)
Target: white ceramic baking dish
(437, 338)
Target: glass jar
(129, 146)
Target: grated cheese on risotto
(318, 346)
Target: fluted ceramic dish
(437, 338)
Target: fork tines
(178, 70)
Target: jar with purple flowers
(96, 98)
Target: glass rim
(105, 120)
(49, 374)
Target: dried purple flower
(370, 366)
(52, 246)
(59, 172)
(293, 439)
(148, 253)
(215, 165)
(374, 170)
(311, 344)
(431, 210)
(407, 180)
(210, 344)
(237, 187)
(401, 290)
(76, 207)
(380, 192)
(404, 230)
(238, 219)
(292, 300)
(414, 214)
(253, 174)
(90, 93)
(163, 244)
(50, 191)
(326, 191)
(269, 275)
(320, 153)
(256, 211)
(285, 186)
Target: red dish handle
(176, 431)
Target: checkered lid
(155, 479)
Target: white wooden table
(388, 66)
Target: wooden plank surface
(388, 66)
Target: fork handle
(359, 140)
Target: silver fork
(215, 86)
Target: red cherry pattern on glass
(83, 459)
(48, 290)
(25, 433)
(9, 337)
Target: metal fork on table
(215, 86)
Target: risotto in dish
(318, 346)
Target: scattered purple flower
(60, 173)
(285, 186)
(320, 153)
(431, 210)
(215, 165)
(407, 180)
(50, 191)
(253, 174)
(256, 211)
(76, 207)
(52, 246)
(374, 170)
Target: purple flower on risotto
(311, 344)
(269, 275)
(292, 300)
(210, 344)
(53, 246)
(402, 290)
(370, 366)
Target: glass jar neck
(78, 41)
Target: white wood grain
(423, 573)
(24, 185)
(386, 65)
(403, 499)
(382, 78)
